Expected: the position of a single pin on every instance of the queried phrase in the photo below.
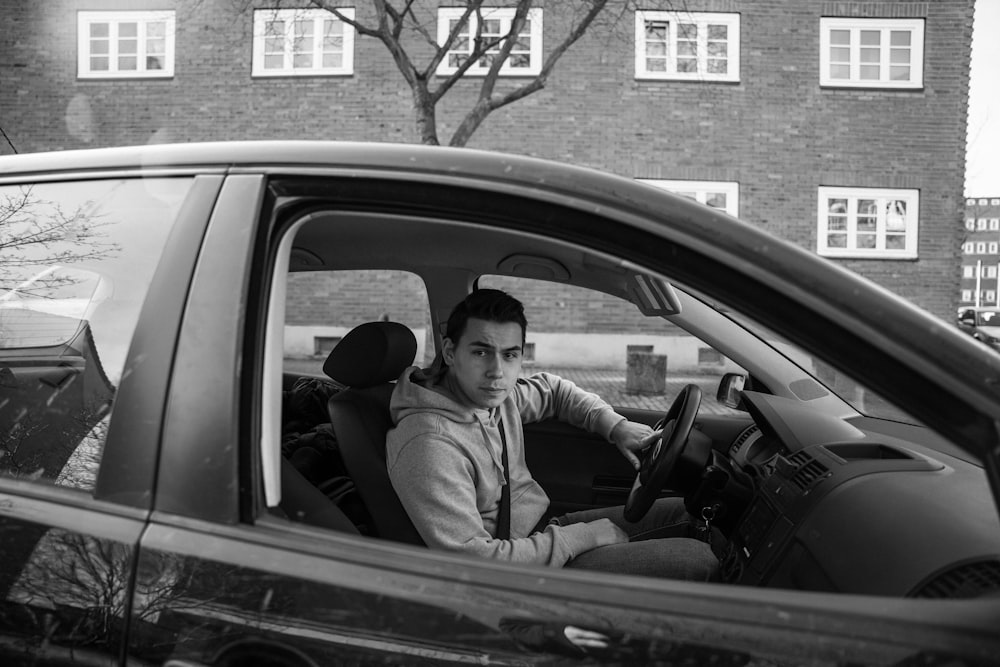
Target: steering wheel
(659, 461)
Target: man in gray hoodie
(445, 457)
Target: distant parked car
(982, 324)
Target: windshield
(988, 318)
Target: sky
(982, 170)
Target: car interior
(806, 482)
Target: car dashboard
(835, 508)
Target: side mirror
(730, 387)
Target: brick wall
(776, 132)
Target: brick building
(980, 285)
(838, 125)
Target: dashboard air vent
(808, 470)
(965, 581)
(742, 438)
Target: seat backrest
(368, 360)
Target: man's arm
(545, 395)
(435, 482)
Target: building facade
(981, 253)
(839, 125)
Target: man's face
(485, 361)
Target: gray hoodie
(445, 463)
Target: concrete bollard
(645, 373)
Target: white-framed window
(989, 272)
(868, 222)
(120, 45)
(995, 202)
(984, 202)
(872, 53)
(981, 224)
(302, 42)
(697, 46)
(966, 295)
(968, 247)
(968, 271)
(525, 57)
(981, 248)
(989, 296)
(994, 224)
(723, 195)
(992, 248)
(970, 223)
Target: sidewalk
(610, 385)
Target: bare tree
(408, 30)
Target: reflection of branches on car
(78, 588)
(37, 233)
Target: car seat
(367, 361)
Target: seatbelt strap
(503, 517)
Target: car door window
(606, 346)
(76, 260)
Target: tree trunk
(426, 114)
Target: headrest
(372, 353)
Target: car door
(245, 584)
(78, 260)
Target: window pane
(656, 49)
(840, 72)
(71, 299)
(99, 47)
(899, 73)
(716, 199)
(128, 46)
(656, 31)
(333, 60)
(100, 64)
(274, 62)
(156, 29)
(899, 38)
(687, 31)
(154, 62)
(836, 240)
(871, 37)
(128, 29)
(895, 219)
(867, 207)
(718, 32)
(837, 223)
(866, 241)
(128, 63)
(870, 55)
(895, 242)
(100, 30)
(302, 60)
(156, 46)
(274, 29)
(716, 66)
(840, 37)
(837, 205)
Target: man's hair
(491, 305)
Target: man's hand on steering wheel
(630, 437)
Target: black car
(190, 475)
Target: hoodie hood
(424, 390)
